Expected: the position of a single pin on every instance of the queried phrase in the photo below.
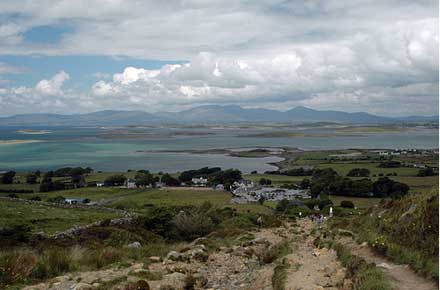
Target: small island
(33, 132)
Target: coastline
(16, 142)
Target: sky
(376, 56)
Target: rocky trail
(400, 276)
(239, 266)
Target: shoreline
(17, 142)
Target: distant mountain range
(211, 114)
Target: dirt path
(401, 276)
(235, 267)
(312, 268)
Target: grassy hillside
(405, 230)
(46, 218)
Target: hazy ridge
(210, 114)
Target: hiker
(320, 219)
(260, 221)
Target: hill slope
(212, 114)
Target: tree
(78, 180)
(426, 172)
(265, 181)
(261, 200)
(115, 180)
(390, 164)
(8, 177)
(359, 172)
(46, 184)
(304, 184)
(31, 178)
(385, 187)
(282, 205)
(169, 180)
(144, 178)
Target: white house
(268, 193)
(130, 183)
(99, 184)
(243, 184)
(199, 181)
(74, 200)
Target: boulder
(154, 259)
(174, 256)
(199, 255)
(134, 245)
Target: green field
(48, 219)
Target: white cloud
(332, 54)
(53, 86)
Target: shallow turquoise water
(83, 147)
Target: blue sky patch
(46, 34)
(81, 68)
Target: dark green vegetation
(328, 181)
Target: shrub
(191, 225)
(274, 252)
(8, 177)
(359, 172)
(56, 199)
(347, 204)
(6, 190)
(31, 179)
(16, 266)
(115, 180)
(15, 233)
(426, 172)
(53, 262)
(265, 181)
(98, 258)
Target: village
(243, 191)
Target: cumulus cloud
(333, 54)
(53, 86)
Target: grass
(275, 252)
(48, 219)
(404, 230)
(344, 167)
(27, 265)
(138, 199)
(279, 276)
(365, 276)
